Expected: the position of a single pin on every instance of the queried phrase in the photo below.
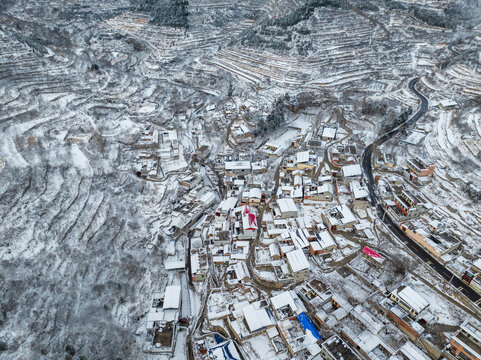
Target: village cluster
(268, 233)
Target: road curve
(420, 252)
(445, 64)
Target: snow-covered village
(264, 179)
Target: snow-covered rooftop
(287, 298)
(172, 297)
(358, 191)
(237, 165)
(351, 170)
(257, 319)
(287, 205)
(255, 193)
(194, 263)
(329, 133)
(341, 215)
(412, 352)
(325, 239)
(412, 298)
(325, 188)
(302, 156)
(297, 260)
(227, 204)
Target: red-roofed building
(249, 223)
(373, 256)
(249, 219)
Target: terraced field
(344, 55)
(74, 223)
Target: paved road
(445, 64)
(390, 223)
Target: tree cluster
(167, 12)
(429, 17)
(389, 124)
(275, 119)
(253, 38)
(304, 12)
(374, 108)
(277, 33)
(403, 117)
(5, 4)
(458, 13)
(303, 47)
(473, 192)
(367, 6)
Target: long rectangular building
(410, 300)
(466, 342)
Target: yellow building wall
(420, 240)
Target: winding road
(390, 223)
(445, 64)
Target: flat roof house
(287, 305)
(335, 348)
(350, 173)
(287, 207)
(339, 218)
(410, 300)
(225, 206)
(360, 196)
(298, 264)
(169, 137)
(306, 161)
(199, 265)
(162, 319)
(409, 351)
(237, 167)
(420, 167)
(148, 139)
(323, 243)
(323, 192)
(328, 134)
(409, 204)
(255, 196)
(438, 243)
(257, 319)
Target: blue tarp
(225, 351)
(218, 339)
(307, 324)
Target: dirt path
(251, 257)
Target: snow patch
(9, 152)
(80, 161)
